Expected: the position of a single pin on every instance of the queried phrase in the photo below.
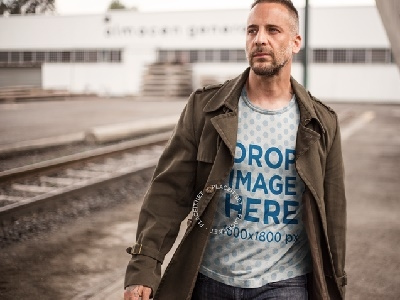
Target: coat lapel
(227, 98)
(227, 125)
(308, 157)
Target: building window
(380, 56)
(116, 56)
(27, 57)
(175, 56)
(15, 57)
(181, 56)
(241, 56)
(4, 57)
(91, 56)
(40, 56)
(224, 55)
(209, 57)
(60, 56)
(358, 56)
(201, 56)
(79, 56)
(320, 55)
(65, 56)
(104, 56)
(193, 56)
(162, 56)
(216, 56)
(53, 56)
(339, 56)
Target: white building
(350, 55)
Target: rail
(32, 187)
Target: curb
(109, 133)
(98, 134)
(42, 143)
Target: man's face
(271, 39)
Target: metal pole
(305, 49)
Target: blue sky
(99, 6)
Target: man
(258, 162)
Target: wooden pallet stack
(165, 80)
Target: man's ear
(296, 44)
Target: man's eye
(273, 30)
(251, 31)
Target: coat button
(210, 189)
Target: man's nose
(261, 38)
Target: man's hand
(137, 292)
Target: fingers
(146, 293)
(137, 292)
(132, 292)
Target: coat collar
(229, 93)
(306, 104)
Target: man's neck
(273, 92)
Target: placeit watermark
(214, 230)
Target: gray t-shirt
(268, 243)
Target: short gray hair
(289, 5)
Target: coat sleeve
(166, 204)
(335, 201)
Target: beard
(260, 67)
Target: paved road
(21, 122)
(372, 162)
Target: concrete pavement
(31, 125)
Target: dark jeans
(290, 289)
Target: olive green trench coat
(199, 155)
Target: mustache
(262, 50)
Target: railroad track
(29, 189)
